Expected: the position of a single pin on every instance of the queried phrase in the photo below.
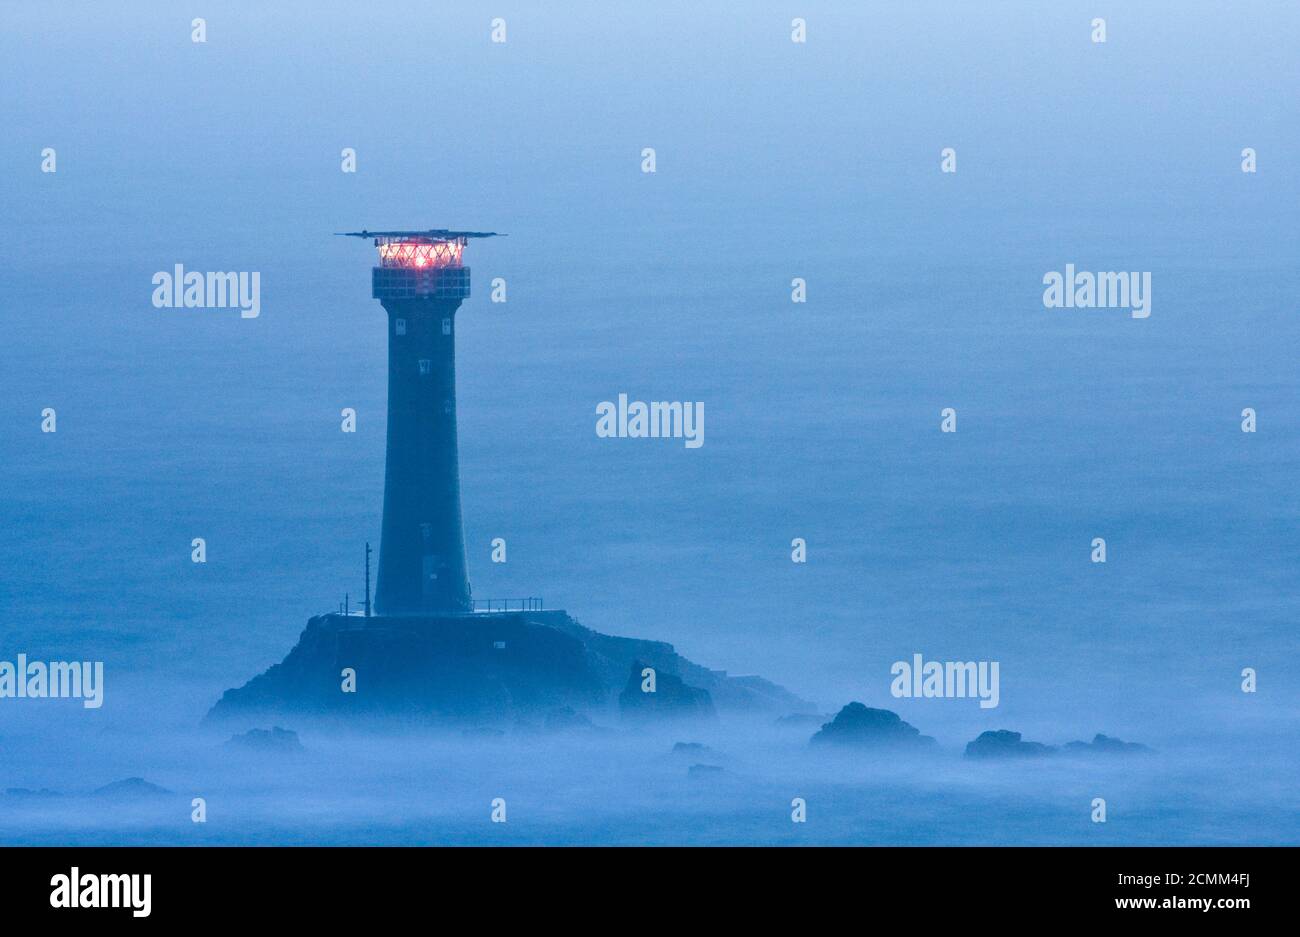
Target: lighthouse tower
(421, 283)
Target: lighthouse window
(426, 366)
(399, 326)
(446, 326)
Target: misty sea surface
(774, 161)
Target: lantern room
(419, 253)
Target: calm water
(822, 420)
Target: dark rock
(26, 793)
(131, 789)
(802, 720)
(1005, 744)
(428, 671)
(1104, 744)
(694, 750)
(610, 656)
(704, 771)
(282, 741)
(566, 719)
(418, 670)
(672, 698)
(861, 726)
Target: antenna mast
(367, 578)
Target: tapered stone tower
(421, 282)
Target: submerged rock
(704, 771)
(275, 739)
(861, 726)
(131, 789)
(693, 750)
(26, 793)
(1005, 744)
(802, 720)
(1104, 744)
(566, 719)
(672, 698)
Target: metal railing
(531, 604)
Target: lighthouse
(421, 282)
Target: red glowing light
(421, 254)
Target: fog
(775, 161)
(620, 787)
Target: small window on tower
(426, 366)
(399, 326)
(446, 326)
